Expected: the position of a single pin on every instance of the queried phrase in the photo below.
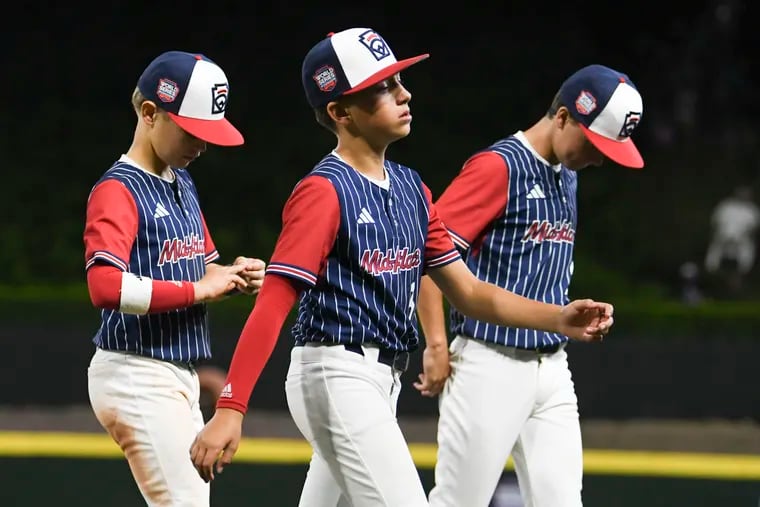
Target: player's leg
(151, 409)
(485, 402)
(320, 488)
(344, 404)
(745, 255)
(548, 454)
(713, 256)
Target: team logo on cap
(585, 103)
(375, 44)
(631, 120)
(167, 90)
(325, 78)
(219, 98)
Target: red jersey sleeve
(211, 252)
(439, 250)
(310, 222)
(111, 225)
(475, 198)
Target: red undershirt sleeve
(257, 340)
(310, 223)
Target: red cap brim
(219, 132)
(386, 73)
(623, 152)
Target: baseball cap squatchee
(347, 62)
(608, 107)
(194, 91)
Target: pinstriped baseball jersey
(365, 290)
(170, 244)
(528, 248)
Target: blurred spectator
(691, 294)
(734, 221)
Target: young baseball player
(151, 271)
(512, 212)
(358, 232)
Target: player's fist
(586, 320)
(253, 274)
(218, 281)
(436, 368)
(217, 443)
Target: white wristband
(136, 292)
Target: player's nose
(403, 96)
(200, 145)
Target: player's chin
(183, 162)
(401, 132)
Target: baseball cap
(347, 62)
(194, 91)
(608, 107)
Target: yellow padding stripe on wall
(290, 451)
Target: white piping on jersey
(384, 183)
(166, 175)
(520, 136)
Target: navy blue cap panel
(322, 75)
(165, 80)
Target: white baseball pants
(344, 404)
(151, 409)
(501, 400)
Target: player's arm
(299, 256)
(583, 319)
(110, 231)
(471, 202)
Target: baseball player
(150, 269)
(512, 212)
(357, 233)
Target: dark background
(494, 68)
(68, 73)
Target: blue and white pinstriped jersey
(366, 290)
(528, 249)
(170, 244)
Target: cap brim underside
(624, 152)
(386, 73)
(219, 132)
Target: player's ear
(148, 112)
(562, 116)
(338, 112)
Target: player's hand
(586, 320)
(253, 274)
(218, 281)
(435, 370)
(217, 443)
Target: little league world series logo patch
(585, 103)
(325, 78)
(219, 94)
(167, 90)
(375, 44)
